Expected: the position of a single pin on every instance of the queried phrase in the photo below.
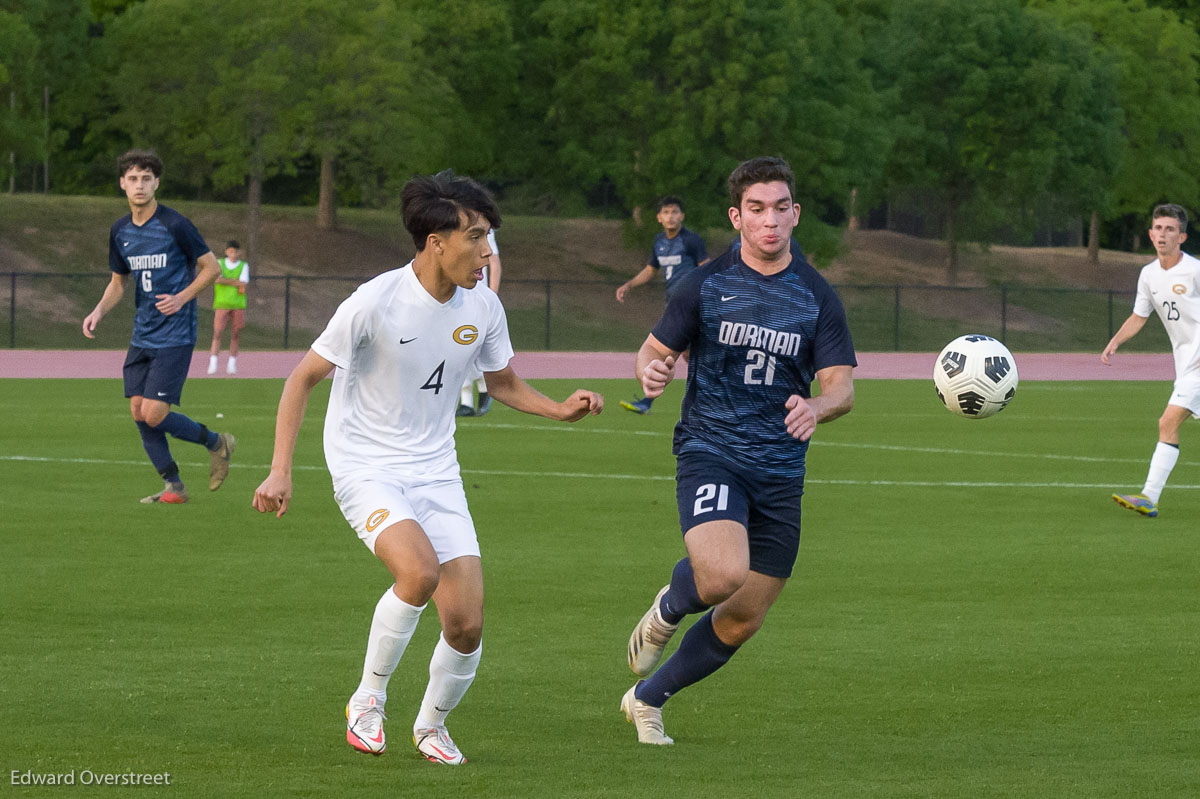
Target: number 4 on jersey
(434, 383)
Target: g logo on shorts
(466, 334)
(376, 518)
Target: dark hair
(435, 203)
(764, 169)
(669, 199)
(142, 159)
(233, 243)
(1172, 210)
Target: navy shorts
(708, 489)
(157, 374)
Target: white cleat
(647, 719)
(436, 745)
(212, 364)
(650, 637)
(364, 726)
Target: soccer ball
(975, 376)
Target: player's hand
(89, 324)
(622, 290)
(656, 375)
(800, 420)
(582, 403)
(1108, 351)
(273, 494)
(168, 304)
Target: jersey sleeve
(352, 323)
(1143, 304)
(190, 242)
(680, 321)
(697, 249)
(116, 262)
(244, 277)
(832, 345)
(497, 349)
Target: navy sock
(186, 429)
(700, 653)
(155, 444)
(647, 401)
(682, 598)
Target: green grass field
(971, 616)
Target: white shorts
(1186, 393)
(439, 506)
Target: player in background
(677, 251)
(161, 249)
(467, 405)
(399, 348)
(229, 305)
(761, 325)
(1170, 287)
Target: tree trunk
(254, 207)
(45, 139)
(1093, 255)
(326, 204)
(952, 243)
(853, 224)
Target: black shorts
(157, 374)
(708, 489)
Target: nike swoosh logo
(442, 709)
(408, 340)
(727, 299)
(378, 738)
(162, 393)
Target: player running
(761, 324)
(400, 347)
(161, 249)
(1170, 287)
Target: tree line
(992, 117)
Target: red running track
(595, 365)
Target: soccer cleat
(364, 726)
(465, 410)
(1139, 503)
(212, 364)
(646, 718)
(485, 403)
(640, 407)
(436, 746)
(650, 637)
(218, 460)
(172, 494)
(231, 367)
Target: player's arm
(640, 279)
(209, 271)
(494, 271)
(1128, 330)
(655, 366)
(112, 295)
(275, 492)
(836, 399)
(507, 387)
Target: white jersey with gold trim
(401, 357)
(1174, 294)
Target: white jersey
(1174, 294)
(401, 357)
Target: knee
(463, 632)
(716, 585)
(416, 584)
(736, 631)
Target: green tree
(18, 84)
(1004, 119)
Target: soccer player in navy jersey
(161, 250)
(761, 325)
(677, 252)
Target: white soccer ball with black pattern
(976, 376)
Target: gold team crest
(466, 334)
(1179, 288)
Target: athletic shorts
(1186, 393)
(222, 317)
(440, 507)
(710, 489)
(157, 374)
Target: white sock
(391, 628)
(231, 367)
(450, 675)
(1161, 464)
(481, 386)
(212, 364)
(467, 397)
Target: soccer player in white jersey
(402, 345)
(467, 405)
(1170, 287)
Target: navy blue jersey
(677, 257)
(755, 340)
(161, 255)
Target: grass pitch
(970, 616)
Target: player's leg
(406, 552)
(1162, 461)
(484, 403)
(235, 338)
(220, 318)
(466, 399)
(459, 601)
(135, 372)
